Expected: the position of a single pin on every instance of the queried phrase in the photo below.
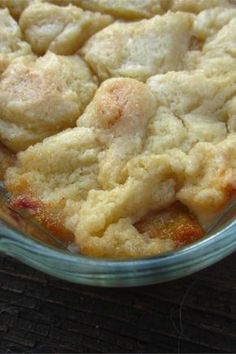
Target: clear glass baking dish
(22, 238)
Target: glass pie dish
(21, 237)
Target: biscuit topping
(123, 119)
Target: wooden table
(41, 314)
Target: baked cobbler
(118, 119)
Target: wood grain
(40, 314)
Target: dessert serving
(118, 119)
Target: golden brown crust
(49, 219)
(175, 223)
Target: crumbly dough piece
(12, 44)
(197, 6)
(133, 9)
(140, 50)
(40, 97)
(205, 94)
(211, 21)
(199, 121)
(231, 111)
(138, 9)
(7, 159)
(189, 114)
(129, 10)
(210, 178)
(62, 30)
(16, 7)
(217, 55)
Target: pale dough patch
(16, 7)
(12, 44)
(129, 10)
(140, 49)
(40, 97)
(62, 30)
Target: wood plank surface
(41, 314)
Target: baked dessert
(126, 134)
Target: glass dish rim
(11, 234)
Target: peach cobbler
(118, 119)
